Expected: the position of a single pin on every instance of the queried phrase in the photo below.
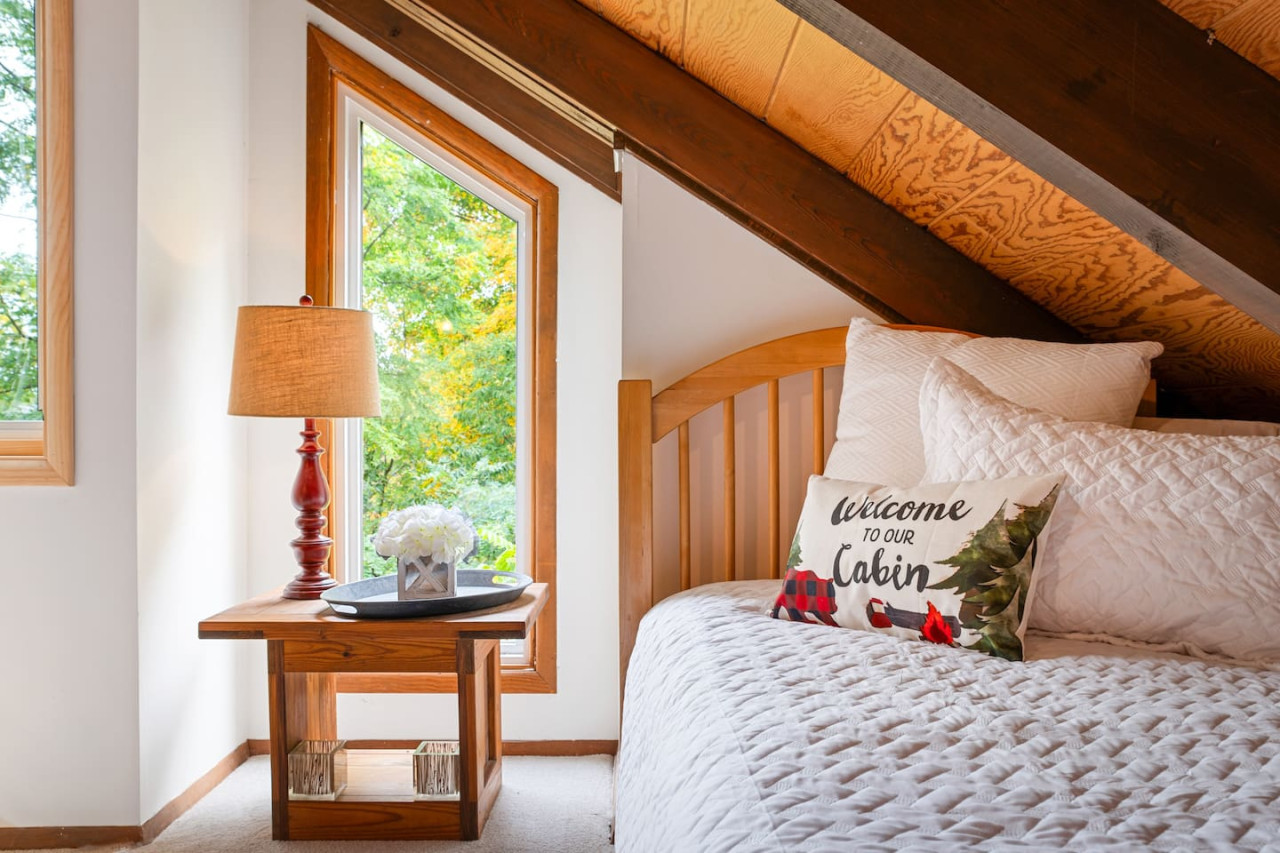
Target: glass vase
(436, 770)
(317, 770)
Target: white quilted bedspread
(746, 733)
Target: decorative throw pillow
(1158, 537)
(951, 563)
(877, 434)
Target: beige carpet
(547, 805)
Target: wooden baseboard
(179, 805)
(559, 747)
(46, 837)
(509, 747)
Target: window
(36, 151)
(438, 266)
(450, 243)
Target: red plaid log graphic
(806, 598)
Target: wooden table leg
(303, 706)
(493, 716)
(480, 730)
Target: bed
(745, 732)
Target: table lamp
(305, 362)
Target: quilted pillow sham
(877, 440)
(1160, 538)
(950, 563)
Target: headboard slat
(819, 421)
(775, 520)
(686, 566)
(730, 490)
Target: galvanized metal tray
(375, 598)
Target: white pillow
(1157, 537)
(877, 435)
(1203, 426)
(948, 563)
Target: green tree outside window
(439, 276)
(19, 368)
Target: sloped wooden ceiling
(967, 192)
(569, 83)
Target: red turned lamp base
(307, 587)
(310, 498)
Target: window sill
(25, 460)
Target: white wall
(698, 286)
(589, 364)
(69, 676)
(192, 252)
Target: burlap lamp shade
(304, 362)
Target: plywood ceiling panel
(1245, 357)
(1253, 31)
(966, 191)
(657, 23)
(1116, 284)
(1019, 222)
(923, 162)
(829, 104)
(738, 47)
(1202, 13)
(1249, 27)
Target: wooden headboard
(645, 418)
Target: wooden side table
(307, 644)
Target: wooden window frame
(44, 455)
(331, 66)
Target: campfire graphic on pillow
(932, 625)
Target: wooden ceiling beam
(1125, 106)
(573, 139)
(747, 169)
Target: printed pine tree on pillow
(993, 572)
(793, 556)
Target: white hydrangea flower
(430, 530)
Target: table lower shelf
(379, 803)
